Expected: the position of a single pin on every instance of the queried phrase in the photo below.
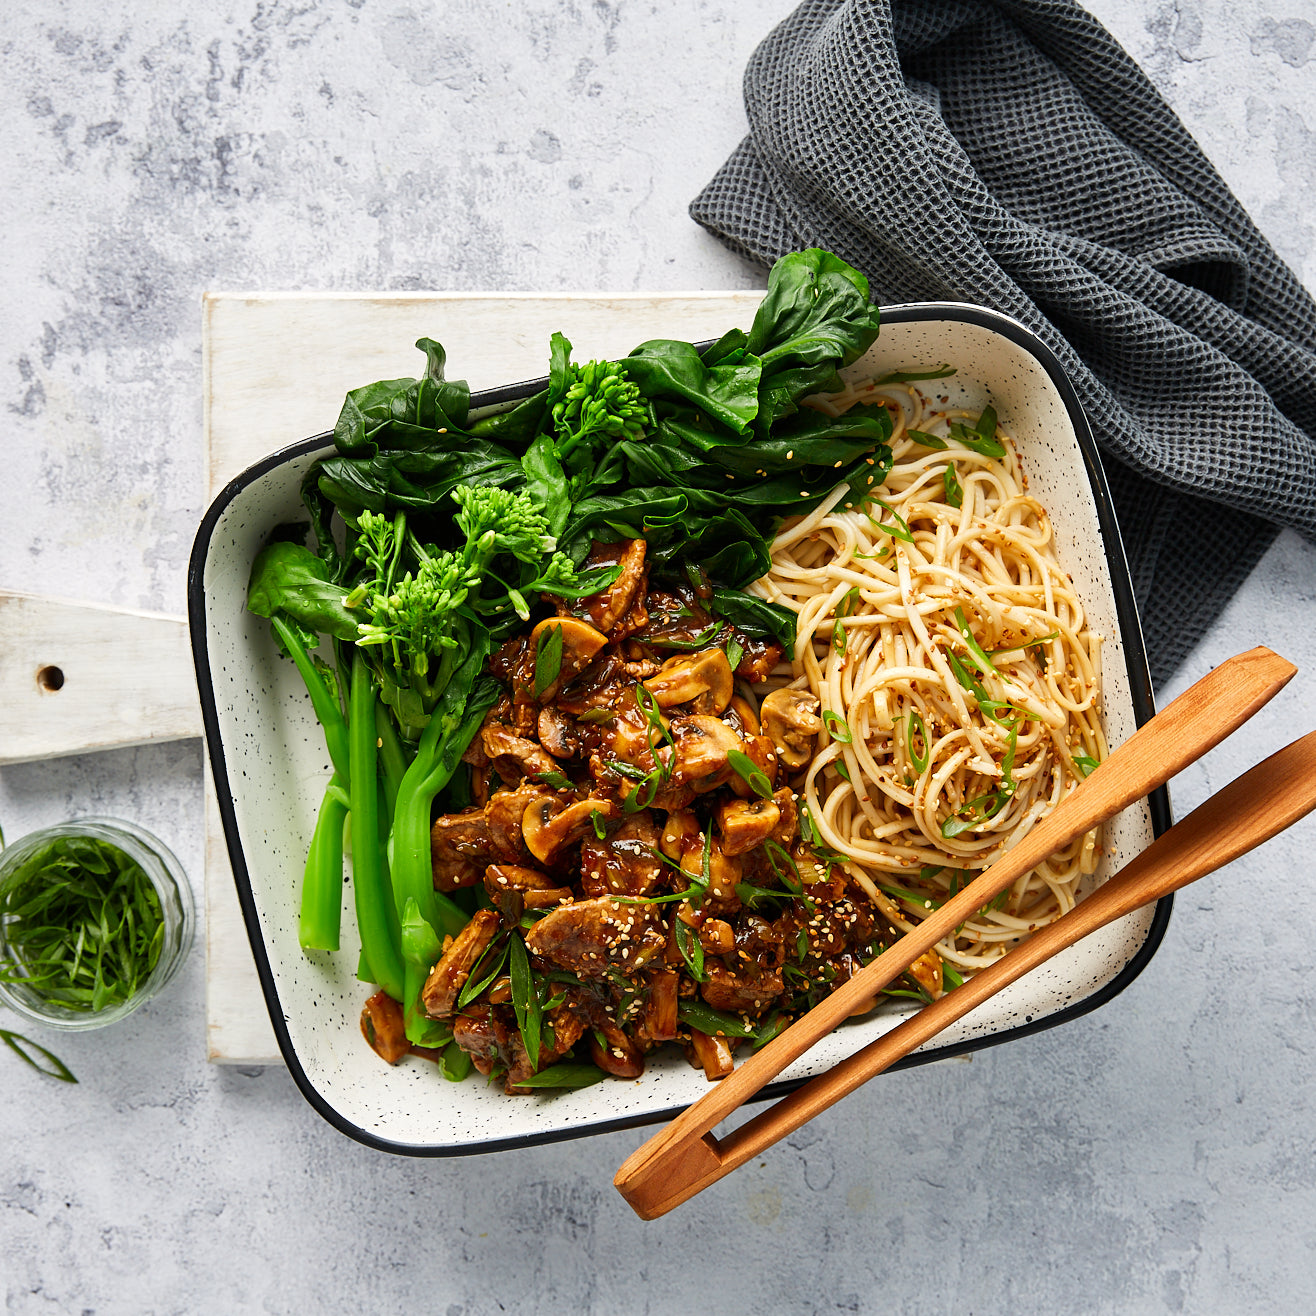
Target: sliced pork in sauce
(634, 854)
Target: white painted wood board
(78, 676)
(276, 367)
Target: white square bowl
(269, 765)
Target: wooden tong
(685, 1157)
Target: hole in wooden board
(50, 678)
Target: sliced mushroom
(790, 718)
(557, 733)
(660, 1018)
(537, 890)
(384, 1028)
(703, 679)
(581, 644)
(743, 714)
(717, 937)
(513, 877)
(760, 659)
(725, 872)
(666, 799)
(549, 829)
(926, 971)
(788, 821)
(449, 975)
(713, 1055)
(616, 1054)
(744, 824)
(680, 833)
(633, 740)
(702, 748)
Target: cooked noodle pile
(958, 679)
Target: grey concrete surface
(1156, 1155)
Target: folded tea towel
(1010, 153)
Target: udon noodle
(956, 671)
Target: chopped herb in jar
(83, 926)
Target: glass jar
(178, 917)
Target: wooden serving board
(276, 367)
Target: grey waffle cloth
(1012, 154)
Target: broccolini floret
(423, 620)
(497, 521)
(599, 402)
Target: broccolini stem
(327, 708)
(460, 711)
(392, 757)
(373, 913)
(322, 886)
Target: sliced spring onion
(548, 658)
(950, 483)
(898, 531)
(917, 734)
(911, 376)
(750, 773)
(977, 654)
(836, 727)
(926, 440)
(564, 1076)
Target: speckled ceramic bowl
(270, 765)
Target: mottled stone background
(1156, 1155)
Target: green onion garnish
(750, 772)
(898, 531)
(836, 727)
(917, 735)
(548, 658)
(910, 376)
(950, 483)
(84, 924)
